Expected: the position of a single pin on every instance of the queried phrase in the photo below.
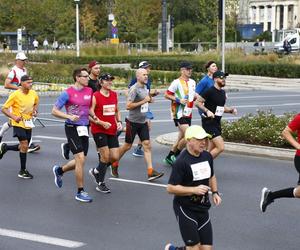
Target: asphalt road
(137, 215)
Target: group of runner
(91, 103)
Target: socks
(23, 157)
(80, 189)
(4, 128)
(150, 170)
(283, 193)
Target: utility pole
(164, 26)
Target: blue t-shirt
(149, 114)
(203, 85)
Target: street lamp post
(77, 27)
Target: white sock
(30, 142)
(4, 128)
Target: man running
(94, 84)
(268, 196)
(20, 107)
(77, 101)
(136, 124)
(106, 120)
(212, 103)
(12, 82)
(181, 93)
(191, 179)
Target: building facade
(274, 14)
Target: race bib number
(187, 111)
(29, 123)
(109, 109)
(219, 111)
(144, 107)
(82, 131)
(201, 171)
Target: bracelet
(215, 192)
(177, 100)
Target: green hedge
(264, 128)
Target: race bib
(144, 107)
(29, 123)
(109, 109)
(187, 111)
(82, 131)
(201, 171)
(219, 111)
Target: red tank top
(105, 110)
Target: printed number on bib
(201, 171)
(187, 111)
(109, 109)
(82, 131)
(219, 111)
(29, 123)
(144, 107)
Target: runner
(181, 93)
(137, 103)
(77, 100)
(94, 84)
(268, 196)
(20, 107)
(12, 82)
(106, 120)
(138, 151)
(191, 179)
(212, 103)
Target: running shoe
(154, 175)
(168, 161)
(24, 174)
(65, 150)
(83, 197)
(102, 188)
(138, 151)
(57, 177)
(3, 149)
(265, 199)
(33, 147)
(114, 171)
(94, 176)
(169, 246)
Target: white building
(273, 14)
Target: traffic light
(220, 9)
(172, 22)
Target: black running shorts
(212, 127)
(103, 140)
(182, 121)
(22, 134)
(77, 143)
(195, 226)
(133, 129)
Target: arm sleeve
(200, 86)
(11, 74)
(62, 100)
(177, 173)
(131, 95)
(10, 101)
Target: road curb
(239, 148)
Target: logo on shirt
(86, 97)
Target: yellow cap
(197, 132)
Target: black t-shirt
(94, 84)
(191, 171)
(214, 101)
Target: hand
(155, 93)
(183, 101)
(151, 99)
(147, 99)
(201, 189)
(106, 125)
(35, 112)
(216, 199)
(234, 111)
(119, 126)
(74, 118)
(210, 114)
(17, 119)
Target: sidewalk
(239, 148)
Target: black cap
(186, 65)
(220, 74)
(106, 76)
(25, 78)
(144, 65)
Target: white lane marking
(138, 182)
(40, 238)
(17, 142)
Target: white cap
(21, 56)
